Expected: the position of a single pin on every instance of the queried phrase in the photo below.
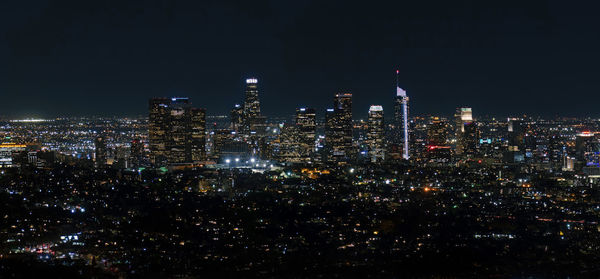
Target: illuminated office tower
(179, 132)
(157, 129)
(237, 117)
(470, 138)
(587, 150)
(437, 132)
(100, 146)
(251, 104)
(327, 152)
(466, 132)
(339, 126)
(137, 153)
(176, 131)
(289, 145)
(516, 132)
(438, 149)
(516, 141)
(220, 138)
(252, 118)
(401, 118)
(556, 151)
(198, 126)
(306, 124)
(376, 134)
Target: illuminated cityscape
(228, 162)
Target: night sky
(60, 58)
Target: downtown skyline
(299, 139)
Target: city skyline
(299, 139)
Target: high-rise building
(176, 131)
(252, 118)
(516, 132)
(556, 151)
(401, 119)
(306, 123)
(179, 132)
(376, 134)
(251, 103)
(437, 146)
(157, 129)
(137, 153)
(437, 132)
(516, 141)
(220, 138)
(198, 127)
(466, 132)
(289, 144)
(100, 146)
(327, 151)
(237, 117)
(339, 128)
(587, 150)
(470, 138)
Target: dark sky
(108, 57)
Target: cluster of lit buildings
(167, 194)
(175, 134)
(178, 136)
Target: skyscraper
(587, 150)
(289, 144)
(137, 152)
(220, 138)
(251, 103)
(237, 117)
(437, 138)
(327, 152)
(157, 129)
(516, 133)
(306, 123)
(198, 127)
(339, 128)
(176, 131)
(252, 118)
(376, 134)
(401, 118)
(466, 132)
(516, 141)
(179, 134)
(100, 146)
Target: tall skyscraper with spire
(401, 117)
